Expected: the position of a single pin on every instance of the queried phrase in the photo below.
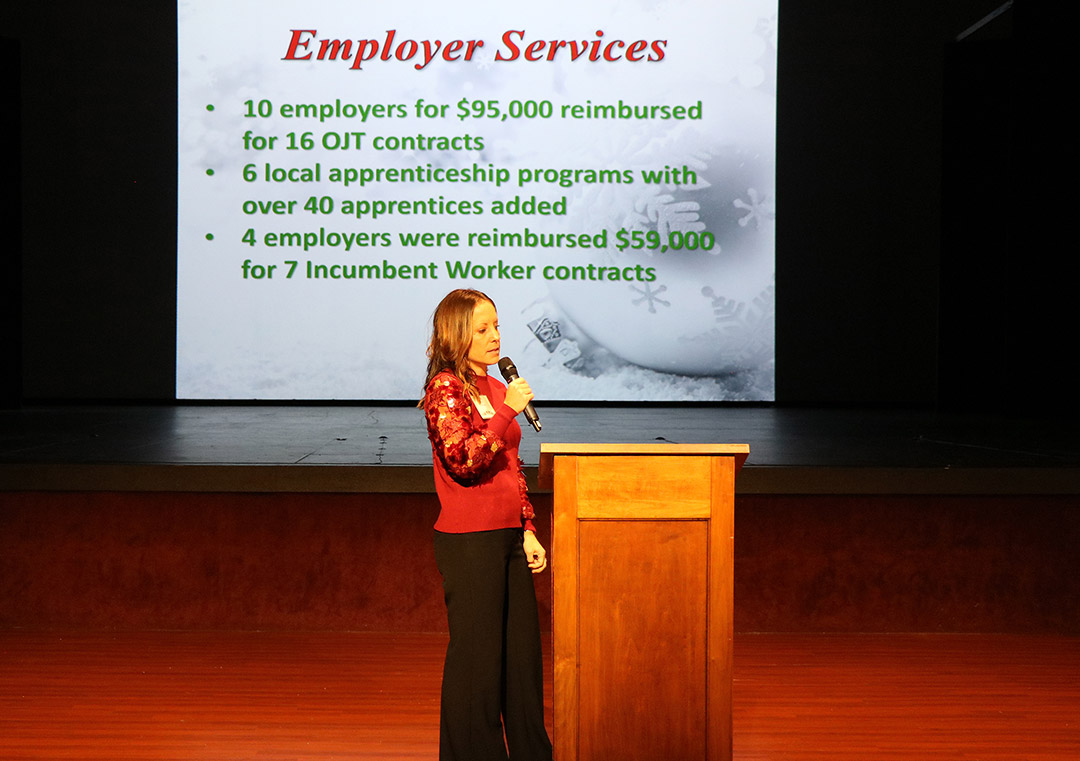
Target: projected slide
(605, 171)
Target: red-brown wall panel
(140, 560)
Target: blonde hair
(452, 335)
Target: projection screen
(604, 171)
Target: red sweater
(478, 474)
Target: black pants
(493, 663)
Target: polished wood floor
(233, 696)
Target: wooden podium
(641, 560)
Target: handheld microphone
(509, 373)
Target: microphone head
(506, 367)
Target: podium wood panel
(564, 610)
(613, 487)
(642, 606)
(624, 567)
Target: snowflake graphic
(664, 214)
(648, 295)
(726, 310)
(758, 207)
(749, 327)
(669, 214)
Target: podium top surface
(548, 452)
(645, 448)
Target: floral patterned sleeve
(527, 513)
(465, 451)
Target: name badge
(483, 406)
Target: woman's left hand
(534, 552)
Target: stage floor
(230, 696)
(310, 447)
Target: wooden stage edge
(417, 479)
(231, 696)
(377, 448)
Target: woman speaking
(485, 545)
